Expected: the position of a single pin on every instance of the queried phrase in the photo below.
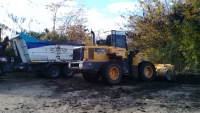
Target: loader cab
(114, 38)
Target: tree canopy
(168, 31)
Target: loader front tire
(111, 73)
(146, 71)
(90, 77)
(53, 72)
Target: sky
(102, 14)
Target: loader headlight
(81, 65)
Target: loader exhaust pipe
(93, 38)
(165, 72)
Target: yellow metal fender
(165, 71)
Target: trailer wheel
(53, 72)
(111, 73)
(90, 77)
(67, 73)
(146, 71)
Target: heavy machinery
(41, 57)
(110, 60)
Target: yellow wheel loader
(109, 59)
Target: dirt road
(78, 96)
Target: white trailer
(43, 57)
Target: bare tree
(68, 16)
(75, 17)
(17, 21)
(20, 24)
(53, 8)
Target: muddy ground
(75, 95)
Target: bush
(19, 75)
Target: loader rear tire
(146, 71)
(53, 72)
(66, 73)
(111, 73)
(90, 77)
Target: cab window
(121, 41)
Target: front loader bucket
(165, 71)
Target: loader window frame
(117, 39)
(109, 40)
(121, 41)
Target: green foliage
(151, 29)
(78, 34)
(186, 30)
(19, 75)
(168, 33)
(9, 52)
(54, 36)
(36, 34)
(3, 26)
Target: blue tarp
(29, 38)
(34, 43)
(38, 44)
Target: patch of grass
(19, 75)
(190, 78)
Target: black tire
(90, 77)
(146, 71)
(53, 72)
(116, 76)
(66, 73)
